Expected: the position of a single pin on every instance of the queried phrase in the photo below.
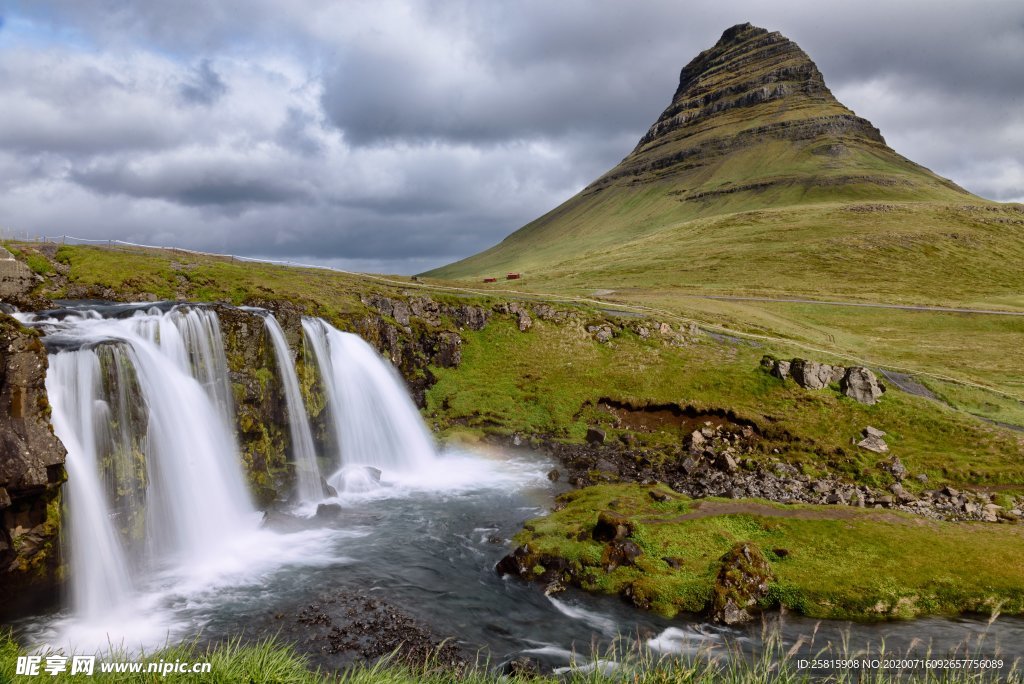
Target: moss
(837, 563)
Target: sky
(396, 136)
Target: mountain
(754, 160)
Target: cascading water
(101, 578)
(307, 474)
(195, 495)
(375, 422)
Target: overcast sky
(398, 136)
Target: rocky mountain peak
(748, 66)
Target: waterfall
(195, 494)
(307, 473)
(374, 420)
(100, 580)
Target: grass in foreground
(269, 662)
(827, 561)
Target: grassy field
(548, 381)
(827, 562)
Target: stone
(870, 431)
(696, 441)
(521, 668)
(861, 385)
(553, 474)
(990, 512)
(448, 353)
(595, 436)
(611, 526)
(742, 583)
(780, 369)
(619, 553)
(602, 333)
(31, 469)
(674, 563)
(875, 444)
(16, 279)
(467, 316)
(524, 321)
(725, 462)
(896, 467)
(660, 497)
(328, 511)
(810, 374)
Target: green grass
(839, 563)
(547, 381)
(269, 662)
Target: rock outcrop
(16, 280)
(31, 472)
(860, 384)
(856, 382)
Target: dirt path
(707, 509)
(869, 305)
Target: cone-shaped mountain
(752, 148)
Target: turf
(827, 561)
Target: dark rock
(619, 553)
(328, 511)
(595, 436)
(467, 316)
(521, 668)
(660, 497)
(31, 473)
(741, 584)
(674, 563)
(611, 527)
(553, 474)
(449, 350)
(861, 385)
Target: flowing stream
(164, 541)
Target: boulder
(618, 553)
(860, 384)
(595, 436)
(611, 527)
(741, 584)
(873, 442)
(780, 369)
(811, 374)
(696, 441)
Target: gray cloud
(401, 135)
(204, 86)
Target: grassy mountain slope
(756, 179)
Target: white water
(374, 420)
(307, 473)
(101, 579)
(196, 501)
